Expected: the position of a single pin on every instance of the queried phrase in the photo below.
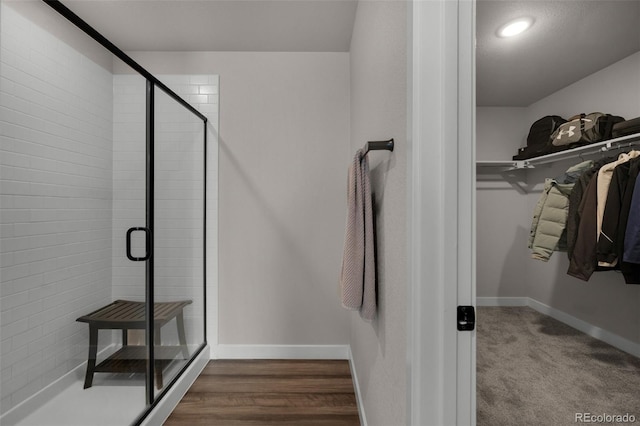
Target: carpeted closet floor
(535, 370)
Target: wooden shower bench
(126, 315)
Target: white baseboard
(588, 329)
(356, 388)
(502, 301)
(168, 403)
(225, 351)
(614, 340)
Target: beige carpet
(534, 370)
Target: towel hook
(378, 145)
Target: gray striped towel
(358, 276)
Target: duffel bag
(625, 128)
(539, 137)
(585, 129)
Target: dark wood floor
(270, 392)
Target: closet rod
(378, 145)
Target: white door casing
(441, 364)
(466, 360)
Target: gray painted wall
(501, 235)
(378, 111)
(284, 131)
(285, 122)
(605, 301)
(499, 132)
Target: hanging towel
(357, 279)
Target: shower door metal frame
(149, 264)
(151, 83)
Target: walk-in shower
(103, 222)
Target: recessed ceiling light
(515, 27)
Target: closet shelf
(505, 165)
(622, 142)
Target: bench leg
(181, 335)
(93, 352)
(125, 337)
(157, 368)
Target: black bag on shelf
(625, 128)
(539, 138)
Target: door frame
(441, 176)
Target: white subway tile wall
(56, 219)
(129, 183)
(72, 181)
(179, 194)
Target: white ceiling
(569, 40)
(222, 25)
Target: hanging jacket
(583, 258)
(550, 215)
(631, 253)
(573, 219)
(625, 207)
(605, 248)
(616, 213)
(632, 233)
(605, 175)
(584, 254)
(630, 271)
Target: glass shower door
(179, 234)
(132, 235)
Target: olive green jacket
(550, 215)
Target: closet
(507, 192)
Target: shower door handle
(147, 239)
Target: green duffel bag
(585, 129)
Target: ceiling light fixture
(515, 27)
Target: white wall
(501, 233)
(605, 301)
(500, 131)
(378, 112)
(614, 90)
(283, 148)
(56, 178)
